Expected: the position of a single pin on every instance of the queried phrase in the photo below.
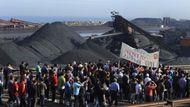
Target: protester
(54, 84)
(93, 84)
(139, 92)
(68, 92)
(7, 72)
(76, 89)
(42, 87)
(182, 85)
(160, 89)
(132, 90)
(16, 92)
(169, 87)
(11, 90)
(44, 69)
(33, 94)
(61, 81)
(149, 88)
(38, 71)
(47, 82)
(1, 85)
(188, 87)
(22, 92)
(147, 79)
(22, 68)
(114, 90)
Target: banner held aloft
(139, 56)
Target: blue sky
(179, 9)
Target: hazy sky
(179, 9)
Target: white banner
(139, 56)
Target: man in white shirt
(138, 89)
(147, 79)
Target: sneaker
(56, 101)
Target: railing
(153, 104)
(174, 103)
(170, 103)
(184, 67)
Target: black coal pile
(54, 42)
(49, 42)
(88, 51)
(14, 54)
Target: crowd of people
(91, 84)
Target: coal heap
(55, 43)
(52, 40)
(88, 51)
(14, 54)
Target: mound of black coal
(55, 43)
(52, 40)
(14, 54)
(88, 52)
(46, 44)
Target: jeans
(28, 101)
(22, 101)
(161, 96)
(47, 91)
(6, 82)
(182, 92)
(17, 99)
(1, 92)
(38, 76)
(139, 98)
(76, 102)
(169, 94)
(132, 97)
(33, 102)
(53, 90)
(61, 96)
(68, 100)
(42, 102)
(114, 97)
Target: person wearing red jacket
(54, 84)
(22, 92)
(16, 92)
